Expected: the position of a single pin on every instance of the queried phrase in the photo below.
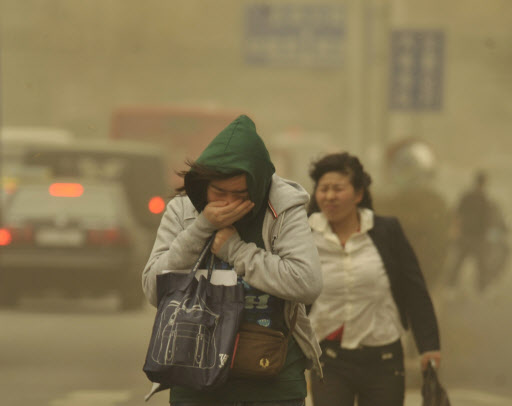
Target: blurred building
(365, 72)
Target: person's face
(228, 190)
(336, 196)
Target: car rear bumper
(36, 260)
(30, 270)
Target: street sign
(416, 70)
(290, 34)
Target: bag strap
(293, 321)
(210, 267)
(191, 275)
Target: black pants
(372, 375)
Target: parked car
(140, 167)
(74, 236)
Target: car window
(141, 175)
(99, 202)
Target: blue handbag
(195, 329)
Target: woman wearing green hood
(263, 233)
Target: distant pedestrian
(373, 289)
(479, 234)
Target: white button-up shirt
(356, 291)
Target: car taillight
(5, 237)
(66, 189)
(112, 236)
(156, 205)
(17, 235)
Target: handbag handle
(191, 275)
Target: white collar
(318, 222)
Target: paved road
(57, 352)
(464, 397)
(458, 397)
(61, 352)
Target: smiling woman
(338, 200)
(372, 286)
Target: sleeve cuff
(231, 246)
(204, 225)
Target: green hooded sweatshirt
(237, 149)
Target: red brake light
(107, 237)
(156, 205)
(5, 237)
(66, 189)
(16, 235)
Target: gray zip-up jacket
(288, 268)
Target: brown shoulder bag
(260, 352)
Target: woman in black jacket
(373, 289)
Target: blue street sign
(416, 70)
(289, 34)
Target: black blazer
(407, 283)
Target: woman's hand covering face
(223, 214)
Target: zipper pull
(274, 238)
